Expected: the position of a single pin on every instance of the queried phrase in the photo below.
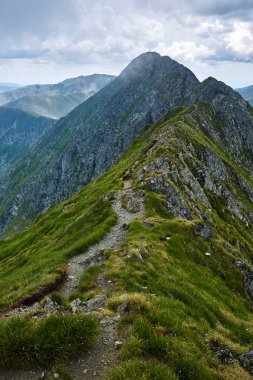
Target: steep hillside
(247, 93)
(55, 106)
(179, 286)
(55, 100)
(89, 140)
(19, 131)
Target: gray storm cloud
(88, 32)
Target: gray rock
(203, 230)
(97, 302)
(246, 361)
(239, 264)
(122, 309)
(226, 356)
(51, 305)
(77, 302)
(174, 202)
(107, 321)
(248, 283)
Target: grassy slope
(54, 106)
(195, 301)
(186, 301)
(40, 252)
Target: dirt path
(103, 355)
(112, 240)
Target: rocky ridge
(188, 181)
(90, 139)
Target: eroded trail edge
(134, 209)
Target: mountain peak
(211, 88)
(144, 63)
(151, 64)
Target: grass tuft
(28, 343)
(137, 302)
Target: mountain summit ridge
(91, 138)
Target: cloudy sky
(45, 41)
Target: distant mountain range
(8, 87)
(247, 93)
(55, 100)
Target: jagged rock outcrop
(192, 177)
(231, 121)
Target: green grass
(179, 299)
(38, 343)
(41, 253)
(142, 370)
(87, 283)
(37, 256)
(193, 298)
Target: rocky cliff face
(231, 122)
(194, 174)
(90, 139)
(19, 131)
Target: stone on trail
(97, 302)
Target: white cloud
(186, 51)
(81, 33)
(240, 41)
